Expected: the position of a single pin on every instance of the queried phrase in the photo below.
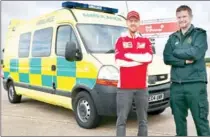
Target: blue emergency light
(89, 6)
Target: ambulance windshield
(100, 38)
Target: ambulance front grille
(152, 79)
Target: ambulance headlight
(108, 75)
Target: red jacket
(133, 56)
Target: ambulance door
(65, 70)
(41, 61)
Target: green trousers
(191, 96)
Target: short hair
(184, 8)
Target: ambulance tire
(157, 112)
(85, 111)
(12, 96)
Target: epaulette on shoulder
(171, 35)
(200, 29)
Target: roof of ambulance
(95, 17)
(82, 16)
(68, 15)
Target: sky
(147, 9)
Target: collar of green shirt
(180, 35)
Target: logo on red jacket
(140, 45)
(127, 45)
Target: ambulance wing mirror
(71, 51)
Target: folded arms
(196, 51)
(129, 59)
(180, 56)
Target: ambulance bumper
(105, 99)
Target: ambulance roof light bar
(89, 6)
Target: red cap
(133, 14)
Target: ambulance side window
(74, 38)
(65, 34)
(24, 45)
(42, 41)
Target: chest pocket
(176, 43)
(188, 42)
(183, 44)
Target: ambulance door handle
(53, 67)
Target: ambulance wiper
(111, 51)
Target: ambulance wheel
(157, 112)
(12, 96)
(85, 111)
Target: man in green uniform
(185, 51)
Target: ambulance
(66, 58)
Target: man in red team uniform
(133, 53)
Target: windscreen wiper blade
(111, 51)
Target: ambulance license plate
(158, 97)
